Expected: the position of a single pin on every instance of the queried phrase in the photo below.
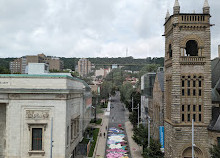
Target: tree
(154, 150)
(149, 68)
(4, 70)
(106, 89)
(215, 151)
(133, 118)
(126, 90)
(141, 136)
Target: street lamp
(138, 114)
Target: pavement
(101, 147)
(135, 149)
(118, 115)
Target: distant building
(29, 104)
(114, 66)
(84, 67)
(16, 66)
(19, 64)
(37, 68)
(147, 83)
(102, 72)
(157, 119)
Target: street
(117, 142)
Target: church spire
(206, 7)
(176, 8)
(167, 15)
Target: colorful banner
(162, 136)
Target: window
(182, 107)
(183, 118)
(200, 83)
(170, 51)
(194, 92)
(194, 117)
(188, 83)
(194, 108)
(200, 92)
(36, 139)
(183, 83)
(200, 117)
(188, 117)
(188, 92)
(191, 48)
(188, 107)
(194, 83)
(183, 92)
(200, 108)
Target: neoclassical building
(35, 109)
(187, 83)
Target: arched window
(170, 51)
(191, 48)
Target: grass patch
(95, 136)
(98, 121)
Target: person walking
(104, 134)
(106, 128)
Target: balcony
(192, 60)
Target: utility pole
(51, 139)
(192, 138)
(138, 112)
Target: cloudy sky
(91, 28)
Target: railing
(192, 18)
(192, 60)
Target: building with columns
(29, 103)
(187, 83)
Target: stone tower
(187, 82)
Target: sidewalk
(101, 142)
(135, 149)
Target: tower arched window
(170, 51)
(192, 48)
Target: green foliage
(75, 74)
(126, 90)
(4, 70)
(98, 121)
(149, 68)
(133, 118)
(141, 135)
(154, 150)
(95, 136)
(215, 151)
(106, 89)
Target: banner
(162, 137)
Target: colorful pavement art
(117, 146)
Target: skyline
(94, 28)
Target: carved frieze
(37, 114)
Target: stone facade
(187, 83)
(157, 119)
(30, 102)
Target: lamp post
(138, 114)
